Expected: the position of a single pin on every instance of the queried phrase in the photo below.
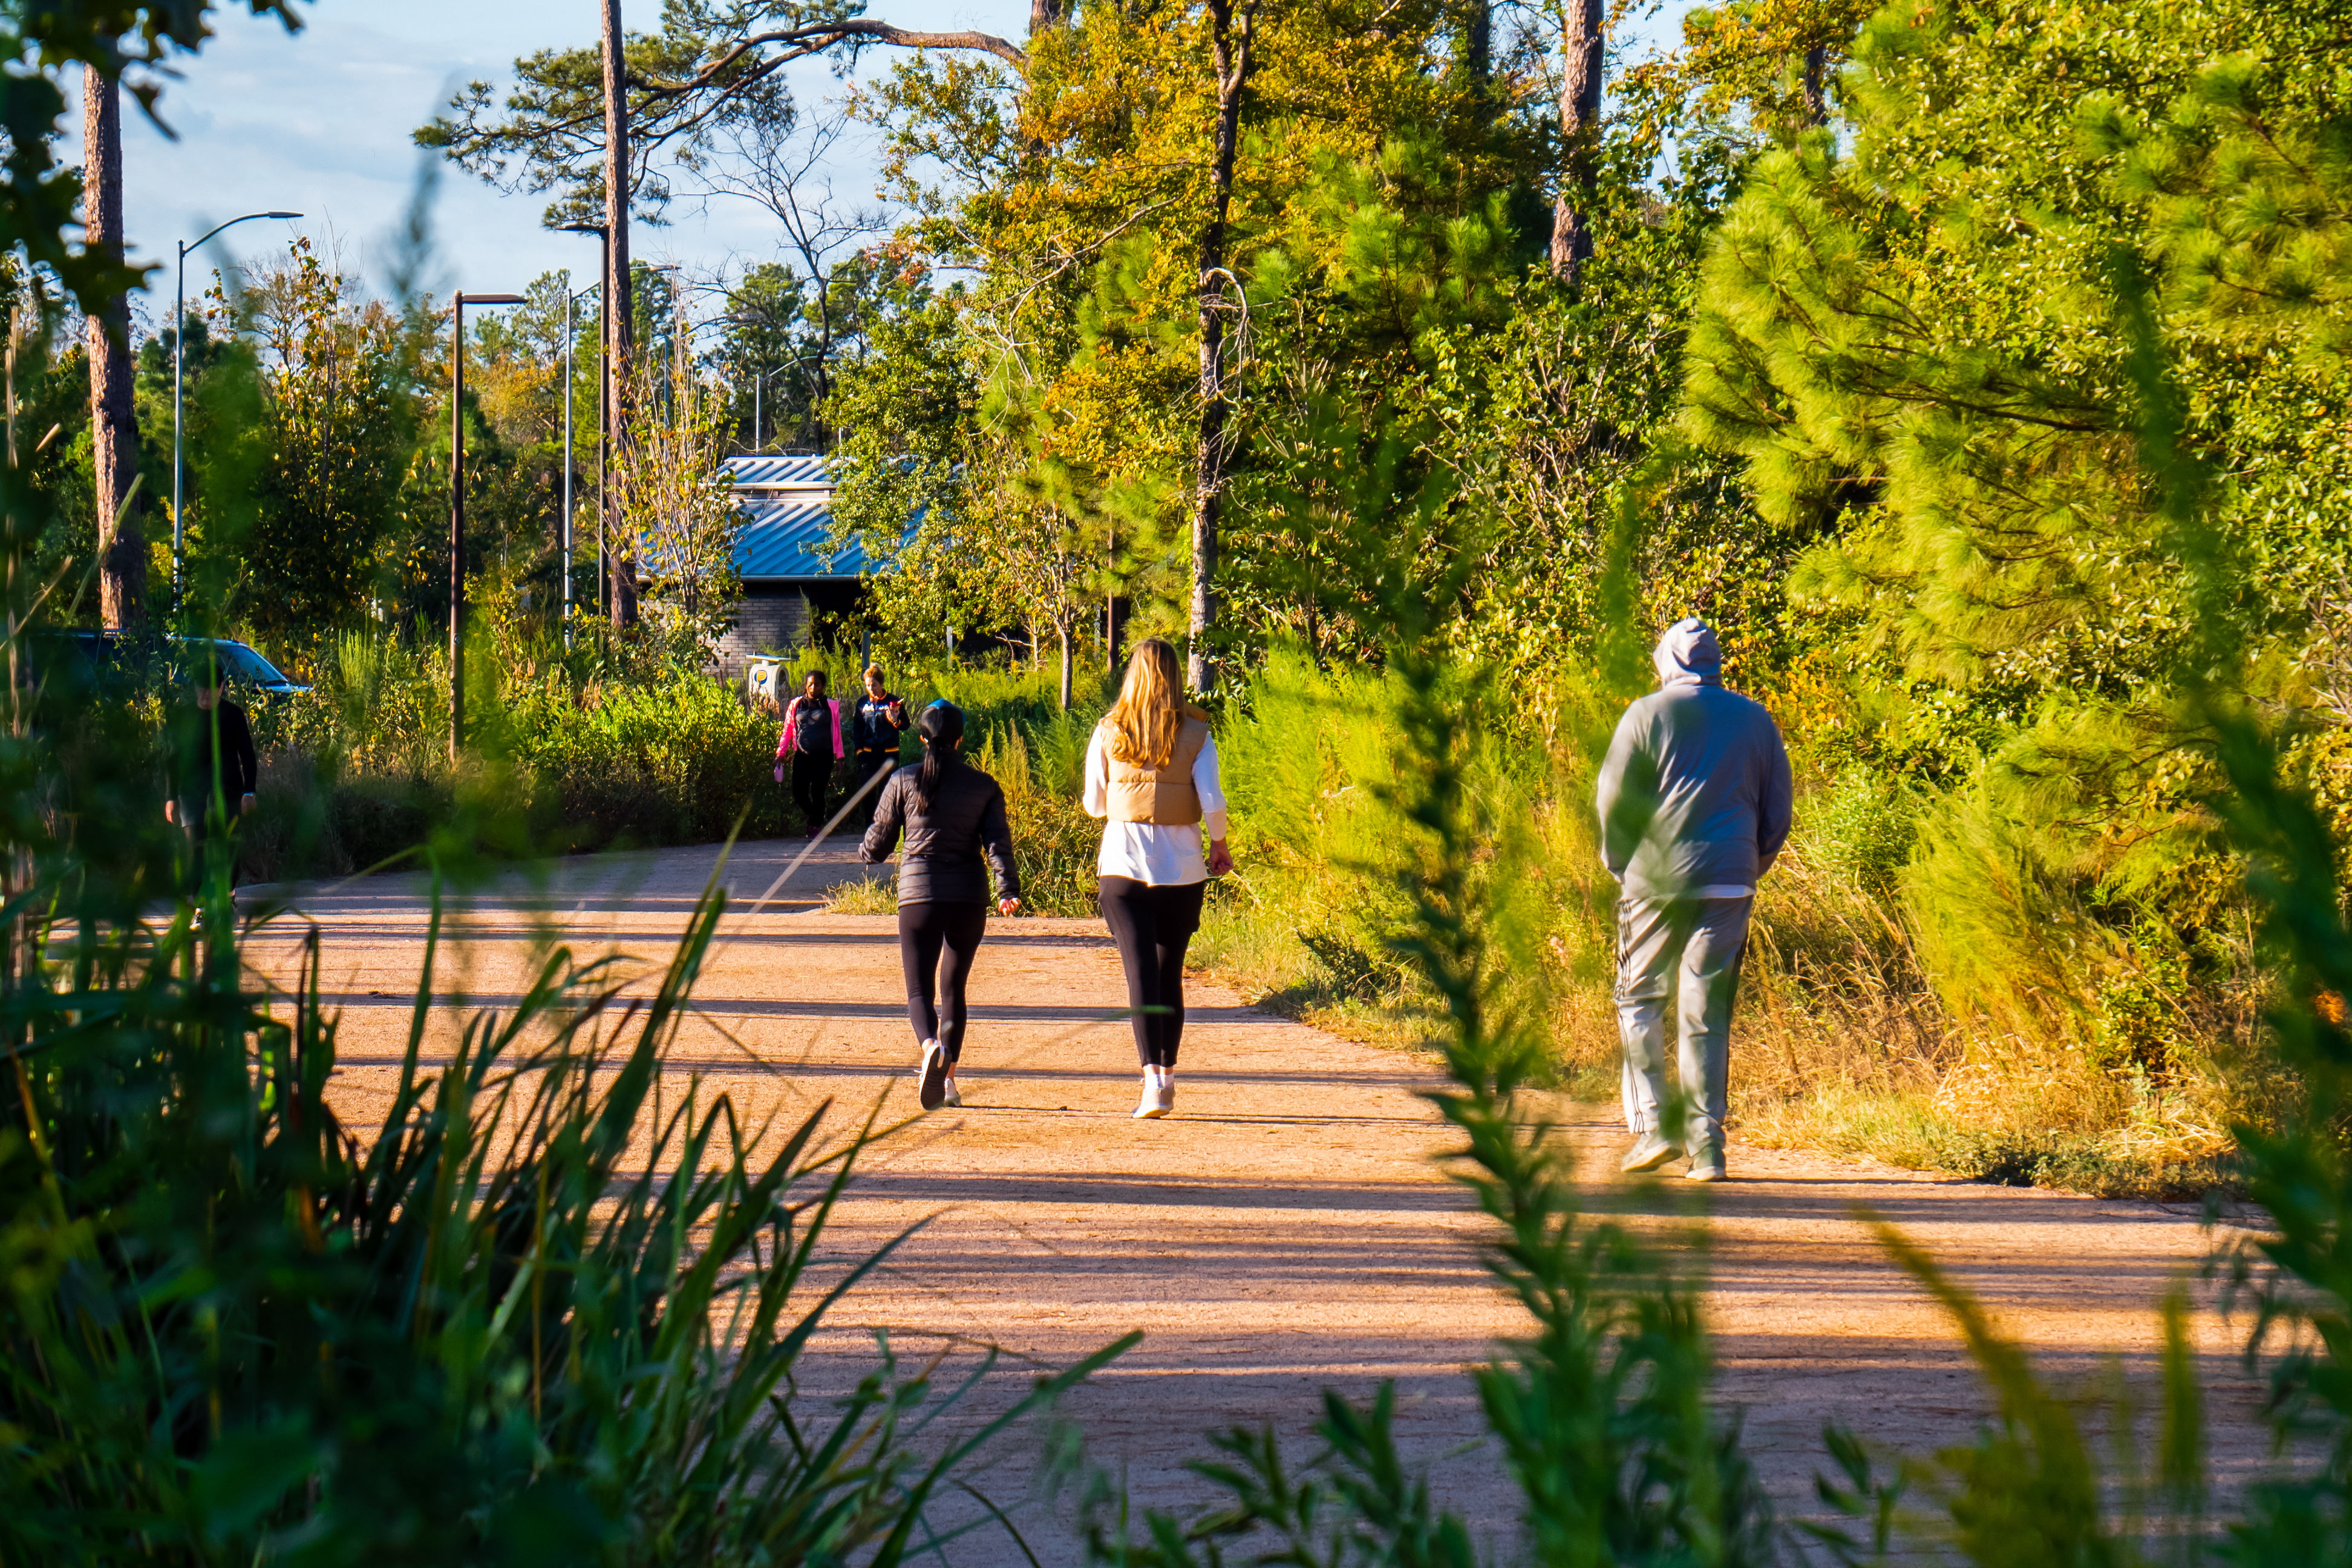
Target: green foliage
(583, 757)
(1056, 842)
(1599, 1406)
(539, 1311)
(331, 450)
(38, 197)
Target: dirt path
(1286, 1231)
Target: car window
(243, 664)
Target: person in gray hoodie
(1695, 802)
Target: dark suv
(238, 663)
(93, 660)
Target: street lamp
(457, 508)
(603, 391)
(179, 348)
(759, 385)
(570, 373)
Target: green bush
(681, 761)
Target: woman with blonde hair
(1151, 775)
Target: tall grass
(549, 1310)
(1598, 1408)
(541, 1314)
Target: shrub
(537, 1316)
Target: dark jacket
(942, 863)
(209, 745)
(870, 725)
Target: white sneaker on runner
(949, 1095)
(933, 1086)
(1157, 1099)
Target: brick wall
(765, 623)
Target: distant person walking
(213, 763)
(1151, 773)
(875, 726)
(952, 816)
(1695, 802)
(812, 739)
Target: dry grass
(1842, 1044)
(862, 896)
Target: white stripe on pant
(1689, 949)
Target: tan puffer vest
(1161, 795)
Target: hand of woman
(1220, 859)
(780, 772)
(1006, 906)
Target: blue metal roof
(787, 506)
(802, 470)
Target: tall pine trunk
(1816, 85)
(1582, 36)
(620, 307)
(1232, 35)
(113, 425)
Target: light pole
(179, 400)
(604, 298)
(759, 385)
(458, 507)
(570, 373)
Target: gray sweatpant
(1688, 949)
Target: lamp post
(570, 373)
(603, 394)
(179, 399)
(458, 507)
(759, 385)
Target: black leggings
(812, 774)
(923, 930)
(1152, 926)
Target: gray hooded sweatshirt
(1695, 797)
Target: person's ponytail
(941, 728)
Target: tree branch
(801, 42)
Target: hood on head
(1688, 655)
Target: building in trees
(789, 570)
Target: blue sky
(319, 123)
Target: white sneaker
(1152, 1105)
(933, 1086)
(949, 1095)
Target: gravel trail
(1287, 1230)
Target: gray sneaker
(1706, 1165)
(1648, 1153)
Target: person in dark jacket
(876, 723)
(1695, 803)
(952, 816)
(812, 739)
(212, 762)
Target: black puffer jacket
(944, 844)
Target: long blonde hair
(1151, 709)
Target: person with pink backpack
(812, 739)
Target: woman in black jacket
(952, 816)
